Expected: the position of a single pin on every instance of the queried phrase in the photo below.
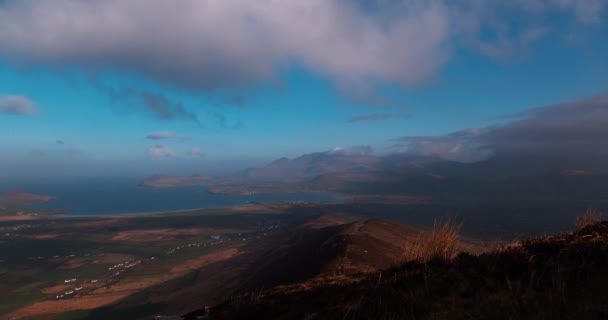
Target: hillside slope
(352, 248)
(557, 277)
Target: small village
(8, 231)
(79, 287)
(69, 271)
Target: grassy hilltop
(553, 277)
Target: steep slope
(341, 250)
(555, 277)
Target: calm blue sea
(104, 196)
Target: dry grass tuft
(440, 244)
(589, 217)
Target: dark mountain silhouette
(311, 165)
(501, 177)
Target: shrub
(440, 244)
(589, 217)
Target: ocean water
(109, 196)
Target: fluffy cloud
(159, 135)
(160, 151)
(352, 151)
(333, 37)
(16, 105)
(573, 132)
(196, 152)
(233, 43)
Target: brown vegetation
(201, 261)
(325, 251)
(589, 217)
(441, 243)
(555, 277)
(55, 289)
(17, 218)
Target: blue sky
(237, 84)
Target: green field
(41, 253)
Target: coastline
(236, 207)
(112, 215)
(102, 197)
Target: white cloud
(160, 151)
(216, 44)
(232, 43)
(159, 135)
(352, 151)
(16, 105)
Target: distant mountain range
(500, 177)
(503, 177)
(313, 164)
